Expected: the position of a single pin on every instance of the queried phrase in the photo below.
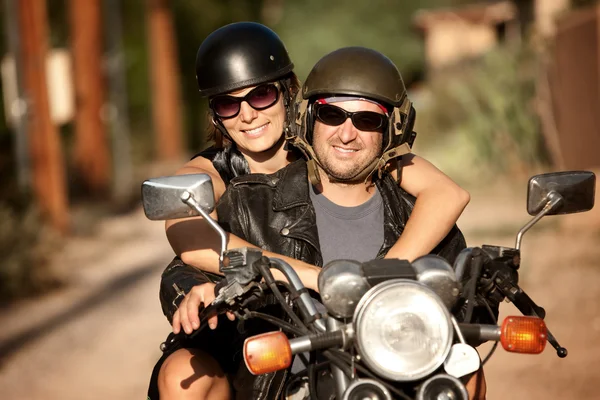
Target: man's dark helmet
(357, 72)
(239, 55)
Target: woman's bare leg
(192, 374)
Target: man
(354, 118)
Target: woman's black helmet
(239, 55)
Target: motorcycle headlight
(403, 330)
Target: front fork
(339, 377)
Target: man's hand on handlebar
(187, 317)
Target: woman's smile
(255, 132)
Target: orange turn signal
(267, 352)
(523, 335)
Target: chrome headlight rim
(359, 313)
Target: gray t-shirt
(354, 233)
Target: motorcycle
(387, 328)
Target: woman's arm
(198, 245)
(440, 201)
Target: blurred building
(454, 34)
(569, 45)
(574, 81)
(457, 34)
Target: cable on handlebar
(277, 322)
(312, 376)
(335, 357)
(493, 349)
(476, 263)
(270, 280)
(287, 308)
(304, 373)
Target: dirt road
(98, 339)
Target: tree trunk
(164, 72)
(91, 153)
(45, 147)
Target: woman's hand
(186, 316)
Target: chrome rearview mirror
(576, 188)
(162, 197)
(181, 196)
(558, 193)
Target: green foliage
(313, 28)
(489, 104)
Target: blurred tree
(91, 155)
(165, 80)
(46, 152)
(117, 102)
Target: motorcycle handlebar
(480, 332)
(339, 338)
(318, 341)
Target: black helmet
(362, 72)
(239, 55)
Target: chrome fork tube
(340, 379)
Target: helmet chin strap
(219, 125)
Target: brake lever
(528, 307)
(231, 297)
(524, 303)
(227, 301)
(502, 275)
(173, 339)
(205, 314)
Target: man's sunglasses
(259, 98)
(363, 120)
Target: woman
(245, 71)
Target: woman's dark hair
(230, 163)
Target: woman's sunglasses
(259, 98)
(363, 120)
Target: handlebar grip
(526, 305)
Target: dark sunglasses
(362, 120)
(259, 98)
